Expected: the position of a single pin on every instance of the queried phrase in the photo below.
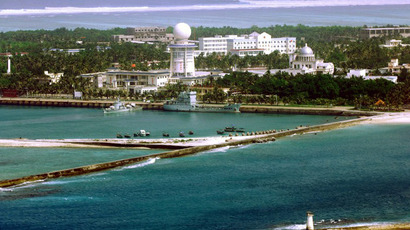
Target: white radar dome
(182, 31)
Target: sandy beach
(100, 143)
(391, 118)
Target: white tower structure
(309, 222)
(182, 52)
(9, 65)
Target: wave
(148, 162)
(84, 178)
(217, 150)
(224, 149)
(292, 227)
(243, 4)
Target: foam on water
(291, 227)
(217, 150)
(148, 162)
(362, 224)
(86, 178)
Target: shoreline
(376, 226)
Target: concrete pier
(338, 111)
(71, 103)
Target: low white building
(200, 78)
(54, 77)
(389, 78)
(246, 52)
(364, 74)
(393, 43)
(357, 73)
(394, 67)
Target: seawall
(178, 153)
(71, 103)
(159, 106)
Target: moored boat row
(230, 129)
(141, 133)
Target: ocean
(107, 14)
(358, 174)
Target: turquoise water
(19, 162)
(359, 174)
(48, 122)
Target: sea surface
(107, 14)
(358, 174)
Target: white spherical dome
(182, 31)
(306, 50)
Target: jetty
(183, 147)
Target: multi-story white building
(367, 33)
(132, 81)
(145, 34)
(217, 44)
(252, 44)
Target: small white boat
(142, 133)
(119, 107)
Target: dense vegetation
(336, 44)
(313, 89)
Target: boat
(230, 129)
(142, 133)
(165, 134)
(119, 107)
(127, 135)
(240, 130)
(119, 135)
(191, 132)
(186, 102)
(181, 134)
(220, 131)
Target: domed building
(182, 52)
(303, 61)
